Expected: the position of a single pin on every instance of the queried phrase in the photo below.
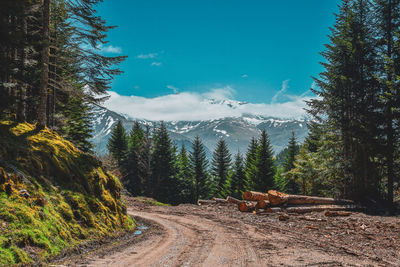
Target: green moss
(70, 196)
(151, 201)
(6, 257)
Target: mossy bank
(52, 195)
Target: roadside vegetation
(52, 195)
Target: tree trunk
(233, 200)
(245, 206)
(262, 204)
(255, 196)
(330, 213)
(42, 109)
(277, 198)
(219, 200)
(21, 108)
(320, 208)
(205, 202)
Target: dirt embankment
(189, 235)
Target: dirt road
(189, 235)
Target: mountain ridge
(236, 130)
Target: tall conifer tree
(185, 177)
(250, 164)
(199, 166)
(347, 91)
(265, 170)
(387, 17)
(220, 168)
(238, 182)
(163, 172)
(118, 144)
(291, 152)
(133, 174)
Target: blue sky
(260, 51)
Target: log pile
(275, 201)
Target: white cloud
(245, 76)
(223, 93)
(173, 88)
(285, 86)
(156, 64)
(146, 56)
(194, 106)
(110, 49)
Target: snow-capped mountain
(237, 131)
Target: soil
(220, 235)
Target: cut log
(255, 196)
(277, 198)
(219, 200)
(320, 208)
(245, 206)
(329, 213)
(269, 210)
(262, 204)
(307, 200)
(233, 200)
(205, 202)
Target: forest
(53, 73)
(352, 150)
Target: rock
(24, 193)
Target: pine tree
(220, 168)
(77, 123)
(185, 177)
(117, 144)
(291, 152)
(199, 165)
(145, 162)
(133, 174)
(237, 180)
(387, 13)
(265, 171)
(347, 96)
(163, 172)
(250, 164)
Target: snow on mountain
(237, 131)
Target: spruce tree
(117, 144)
(291, 152)
(347, 96)
(133, 174)
(145, 162)
(220, 168)
(77, 123)
(250, 164)
(199, 165)
(387, 14)
(185, 177)
(265, 171)
(163, 172)
(238, 183)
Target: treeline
(51, 70)
(352, 150)
(151, 165)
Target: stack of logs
(275, 201)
